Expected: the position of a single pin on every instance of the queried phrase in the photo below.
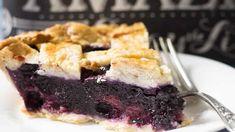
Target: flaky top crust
(59, 51)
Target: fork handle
(225, 114)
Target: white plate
(212, 77)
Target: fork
(182, 80)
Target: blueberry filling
(159, 107)
(89, 73)
(88, 48)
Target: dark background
(201, 27)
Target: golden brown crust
(121, 38)
(101, 58)
(81, 34)
(60, 59)
(14, 52)
(33, 38)
(124, 29)
(8, 41)
(127, 36)
(59, 50)
(105, 29)
(142, 72)
(76, 33)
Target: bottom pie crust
(111, 125)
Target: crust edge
(112, 125)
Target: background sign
(202, 27)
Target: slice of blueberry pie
(106, 73)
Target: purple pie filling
(88, 48)
(159, 107)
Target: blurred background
(200, 27)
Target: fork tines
(180, 77)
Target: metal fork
(182, 80)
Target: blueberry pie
(106, 74)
